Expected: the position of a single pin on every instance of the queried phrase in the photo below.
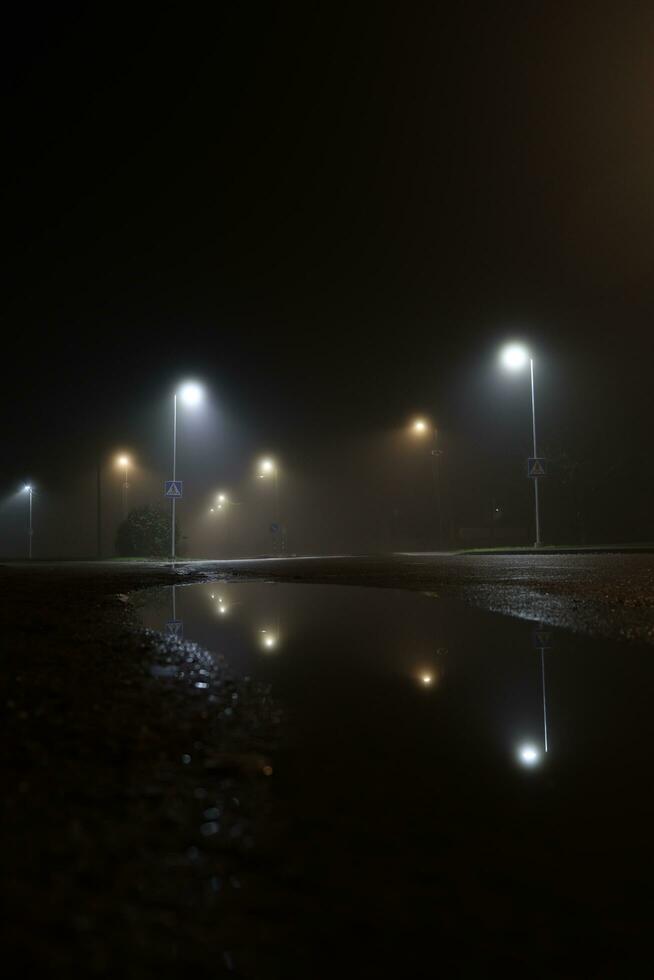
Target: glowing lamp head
(122, 461)
(191, 394)
(514, 357)
(420, 426)
(529, 755)
(27, 488)
(222, 499)
(426, 679)
(266, 466)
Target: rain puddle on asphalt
(442, 781)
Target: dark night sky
(333, 216)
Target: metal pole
(435, 453)
(30, 528)
(279, 536)
(125, 485)
(99, 507)
(533, 425)
(542, 669)
(174, 470)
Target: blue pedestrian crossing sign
(536, 466)
(174, 488)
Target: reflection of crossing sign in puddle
(175, 626)
(536, 466)
(542, 639)
(174, 488)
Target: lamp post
(123, 463)
(514, 357)
(222, 500)
(190, 394)
(422, 428)
(268, 467)
(29, 490)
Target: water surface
(445, 781)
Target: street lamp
(123, 462)
(529, 755)
(190, 394)
(422, 428)
(268, 467)
(514, 357)
(29, 490)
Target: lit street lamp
(421, 428)
(268, 468)
(190, 394)
(222, 501)
(529, 755)
(29, 490)
(514, 357)
(123, 463)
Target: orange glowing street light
(123, 462)
(422, 427)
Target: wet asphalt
(115, 774)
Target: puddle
(439, 770)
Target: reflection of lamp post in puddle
(174, 625)
(543, 640)
(528, 754)
(431, 674)
(269, 640)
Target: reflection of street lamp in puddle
(268, 640)
(221, 606)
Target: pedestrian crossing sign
(536, 466)
(174, 488)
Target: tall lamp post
(29, 490)
(268, 468)
(514, 357)
(123, 463)
(190, 394)
(422, 428)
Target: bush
(145, 533)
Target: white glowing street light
(514, 357)
(269, 468)
(29, 490)
(529, 755)
(191, 395)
